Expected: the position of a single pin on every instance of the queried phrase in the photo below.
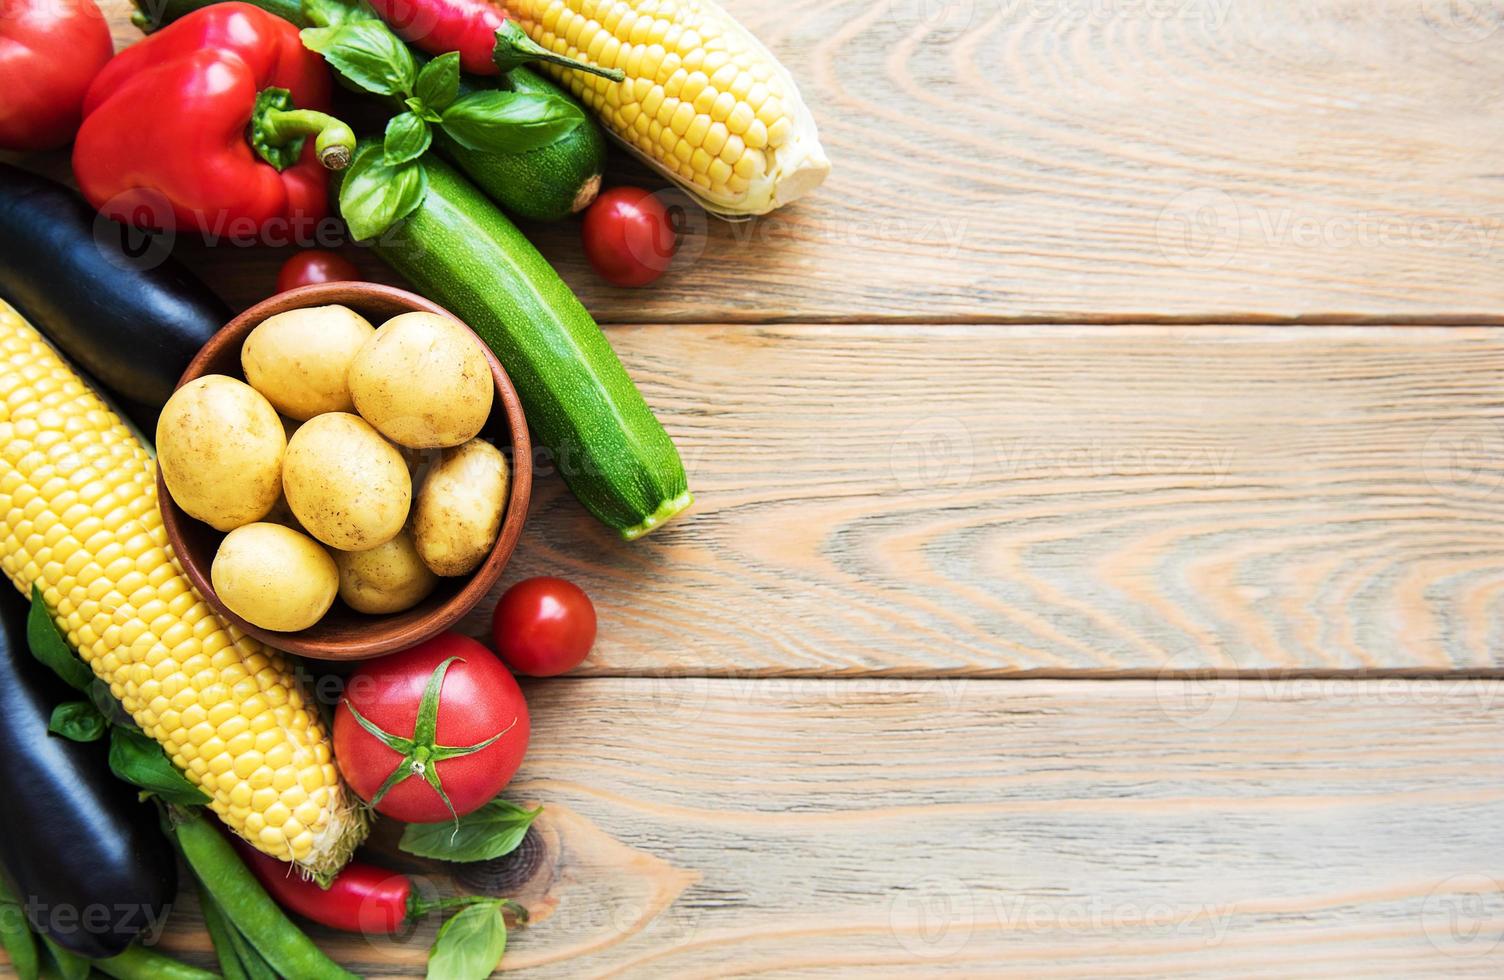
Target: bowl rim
(349, 292)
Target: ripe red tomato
(477, 700)
(544, 626)
(314, 265)
(50, 50)
(628, 236)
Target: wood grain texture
(972, 499)
(1030, 828)
(1076, 159)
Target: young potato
(346, 485)
(274, 577)
(458, 513)
(220, 447)
(299, 359)
(423, 380)
(386, 579)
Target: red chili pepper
(50, 50)
(202, 125)
(361, 898)
(441, 26)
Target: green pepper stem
(334, 142)
(514, 47)
(417, 907)
(542, 54)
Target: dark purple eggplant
(111, 298)
(86, 857)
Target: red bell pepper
(203, 125)
(50, 50)
(441, 26)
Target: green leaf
(332, 13)
(490, 832)
(407, 138)
(375, 196)
(510, 122)
(137, 758)
(77, 720)
(439, 82)
(70, 965)
(470, 945)
(48, 646)
(424, 112)
(15, 935)
(366, 53)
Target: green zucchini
(458, 249)
(547, 184)
(152, 15)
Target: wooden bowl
(343, 633)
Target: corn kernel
(779, 132)
(715, 138)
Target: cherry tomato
(478, 699)
(628, 236)
(544, 626)
(314, 265)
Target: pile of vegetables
(130, 707)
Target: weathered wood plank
(1075, 159)
(1026, 828)
(976, 499)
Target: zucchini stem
(666, 512)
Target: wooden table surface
(1099, 557)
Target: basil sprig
(375, 195)
(367, 54)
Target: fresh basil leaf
(510, 122)
(70, 966)
(138, 759)
(16, 936)
(375, 196)
(366, 53)
(48, 646)
(407, 138)
(424, 112)
(79, 721)
(439, 82)
(490, 832)
(332, 13)
(470, 945)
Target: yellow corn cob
(78, 515)
(704, 102)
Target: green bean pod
(140, 963)
(247, 905)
